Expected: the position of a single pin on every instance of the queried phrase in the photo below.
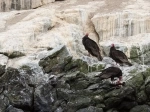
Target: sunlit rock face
(38, 30)
(18, 37)
(124, 24)
(7, 5)
(128, 31)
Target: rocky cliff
(8, 5)
(45, 68)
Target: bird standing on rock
(118, 56)
(92, 47)
(111, 72)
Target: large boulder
(116, 97)
(141, 108)
(13, 82)
(54, 58)
(78, 103)
(33, 74)
(142, 97)
(136, 81)
(3, 106)
(90, 109)
(44, 97)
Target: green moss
(79, 85)
(141, 97)
(112, 102)
(16, 54)
(134, 53)
(25, 67)
(140, 108)
(97, 67)
(83, 66)
(80, 102)
(136, 81)
(13, 54)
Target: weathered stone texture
(6, 5)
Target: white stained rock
(124, 24)
(2, 25)
(68, 34)
(22, 35)
(47, 1)
(18, 62)
(35, 4)
(7, 5)
(81, 14)
(41, 12)
(45, 53)
(3, 59)
(4, 16)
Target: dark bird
(118, 56)
(92, 47)
(111, 72)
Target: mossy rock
(134, 52)
(83, 66)
(122, 93)
(97, 67)
(69, 77)
(14, 54)
(9, 74)
(15, 83)
(2, 70)
(54, 59)
(77, 64)
(64, 93)
(141, 108)
(112, 102)
(126, 105)
(89, 93)
(79, 85)
(97, 99)
(147, 72)
(79, 103)
(13, 109)
(141, 97)
(2, 106)
(136, 81)
(72, 66)
(90, 109)
(137, 55)
(101, 105)
(147, 90)
(114, 98)
(25, 67)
